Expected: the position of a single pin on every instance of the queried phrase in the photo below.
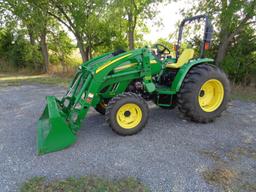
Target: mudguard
(184, 70)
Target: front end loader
(118, 84)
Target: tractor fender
(180, 76)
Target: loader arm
(84, 92)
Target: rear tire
(127, 114)
(204, 94)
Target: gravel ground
(165, 155)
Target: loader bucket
(53, 132)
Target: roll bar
(207, 33)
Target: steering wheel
(161, 48)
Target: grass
(88, 184)
(20, 79)
(244, 93)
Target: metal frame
(208, 29)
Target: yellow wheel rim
(129, 116)
(211, 95)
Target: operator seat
(186, 55)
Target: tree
(240, 60)
(84, 19)
(240, 14)
(132, 12)
(61, 46)
(16, 50)
(231, 17)
(34, 19)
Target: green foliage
(86, 20)
(17, 51)
(234, 44)
(240, 61)
(28, 26)
(61, 47)
(132, 13)
(6, 39)
(90, 184)
(22, 53)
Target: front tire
(127, 114)
(204, 94)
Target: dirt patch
(233, 154)
(221, 176)
(230, 171)
(237, 152)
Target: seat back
(186, 55)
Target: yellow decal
(125, 66)
(153, 62)
(111, 62)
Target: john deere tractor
(118, 84)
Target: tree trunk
(80, 45)
(82, 51)
(222, 50)
(223, 46)
(31, 37)
(62, 62)
(33, 43)
(131, 39)
(88, 53)
(130, 32)
(44, 51)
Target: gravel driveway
(166, 155)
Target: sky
(169, 15)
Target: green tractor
(117, 84)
